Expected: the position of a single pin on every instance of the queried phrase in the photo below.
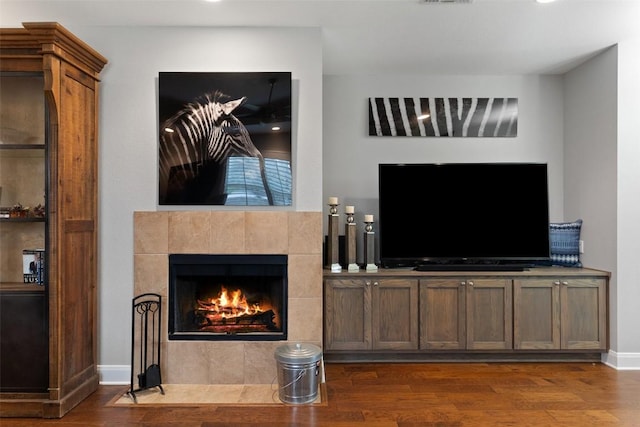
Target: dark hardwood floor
(407, 395)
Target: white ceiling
(387, 36)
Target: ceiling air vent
(447, 1)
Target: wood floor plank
(406, 395)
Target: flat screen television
(480, 215)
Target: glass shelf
(22, 146)
(21, 287)
(27, 219)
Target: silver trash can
(298, 370)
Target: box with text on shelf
(33, 266)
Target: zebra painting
(224, 138)
(195, 144)
(453, 117)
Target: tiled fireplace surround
(296, 234)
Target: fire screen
(227, 297)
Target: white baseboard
(121, 374)
(114, 374)
(622, 361)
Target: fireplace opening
(227, 297)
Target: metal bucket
(298, 369)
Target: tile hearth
(211, 394)
(296, 234)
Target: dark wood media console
(539, 314)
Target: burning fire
(232, 308)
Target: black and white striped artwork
(454, 117)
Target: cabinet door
(442, 314)
(23, 327)
(489, 314)
(347, 320)
(583, 305)
(24, 334)
(22, 175)
(394, 314)
(536, 314)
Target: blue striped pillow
(565, 243)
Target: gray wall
(590, 164)
(628, 205)
(128, 138)
(335, 157)
(351, 157)
(602, 182)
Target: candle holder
(332, 244)
(350, 243)
(369, 247)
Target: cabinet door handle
(557, 282)
(368, 283)
(375, 283)
(565, 283)
(470, 282)
(463, 283)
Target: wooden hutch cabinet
(48, 194)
